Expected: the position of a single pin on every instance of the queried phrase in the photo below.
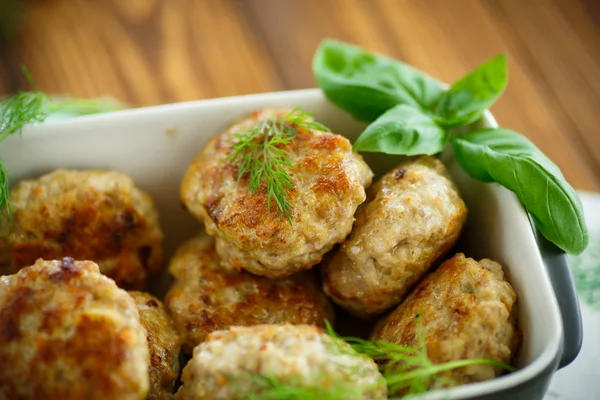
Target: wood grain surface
(148, 52)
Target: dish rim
(552, 350)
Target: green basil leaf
(506, 157)
(403, 130)
(366, 84)
(469, 97)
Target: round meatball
(206, 297)
(328, 185)
(68, 332)
(412, 218)
(163, 344)
(464, 310)
(88, 215)
(258, 359)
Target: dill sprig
(408, 369)
(30, 107)
(259, 153)
(272, 388)
(16, 112)
(19, 110)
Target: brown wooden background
(157, 51)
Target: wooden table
(158, 51)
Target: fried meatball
(328, 180)
(88, 215)
(68, 332)
(464, 310)
(230, 364)
(206, 297)
(163, 344)
(411, 219)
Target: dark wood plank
(144, 52)
(293, 29)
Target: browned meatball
(328, 180)
(163, 344)
(412, 218)
(206, 297)
(229, 365)
(88, 215)
(68, 332)
(466, 310)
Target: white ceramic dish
(154, 145)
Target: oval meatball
(328, 185)
(412, 218)
(207, 297)
(163, 344)
(259, 359)
(68, 332)
(464, 310)
(88, 215)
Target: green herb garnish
(405, 371)
(15, 112)
(411, 113)
(405, 368)
(586, 271)
(26, 108)
(272, 388)
(259, 154)
(349, 383)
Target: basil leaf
(403, 130)
(506, 157)
(366, 84)
(469, 97)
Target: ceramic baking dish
(154, 145)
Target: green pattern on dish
(586, 271)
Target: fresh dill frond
(405, 368)
(272, 388)
(5, 213)
(19, 110)
(30, 107)
(15, 112)
(260, 155)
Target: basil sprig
(506, 157)
(403, 130)
(411, 113)
(464, 102)
(366, 85)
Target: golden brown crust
(466, 310)
(206, 297)
(68, 332)
(86, 215)
(163, 344)
(329, 181)
(411, 219)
